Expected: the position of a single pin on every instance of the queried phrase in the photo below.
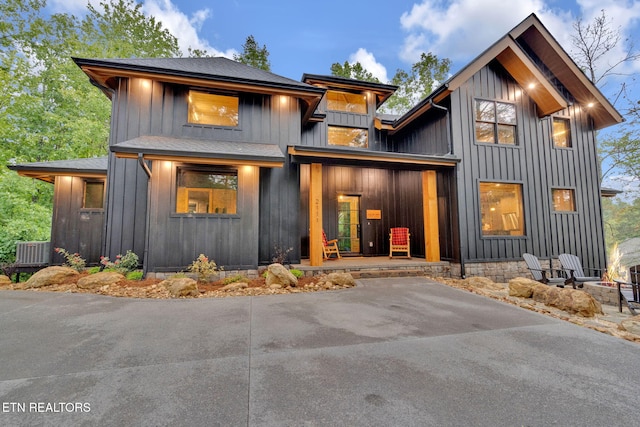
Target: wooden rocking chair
(329, 246)
(399, 241)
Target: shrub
(297, 273)
(93, 270)
(202, 267)
(123, 263)
(233, 279)
(74, 260)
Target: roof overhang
(380, 90)
(307, 154)
(200, 151)
(48, 171)
(104, 75)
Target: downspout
(145, 256)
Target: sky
(383, 35)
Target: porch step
(371, 274)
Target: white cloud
(369, 63)
(183, 27)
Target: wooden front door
(349, 225)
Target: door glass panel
(349, 224)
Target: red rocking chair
(399, 241)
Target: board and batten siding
(536, 164)
(73, 228)
(143, 107)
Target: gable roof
(95, 167)
(216, 72)
(514, 52)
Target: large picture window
(561, 133)
(495, 122)
(206, 191)
(93, 197)
(501, 209)
(346, 101)
(212, 109)
(348, 137)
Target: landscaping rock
(482, 283)
(4, 280)
(278, 274)
(235, 286)
(571, 300)
(98, 280)
(345, 280)
(181, 287)
(522, 287)
(50, 276)
(631, 325)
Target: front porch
(383, 266)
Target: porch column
(315, 215)
(430, 213)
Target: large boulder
(181, 287)
(480, 282)
(522, 287)
(631, 325)
(50, 276)
(98, 280)
(277, 274)
(570, 300)
(345, 280)
(4, 280)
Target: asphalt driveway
(390, 352)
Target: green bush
(234, 279)
(123, 263)
(135, 275)
(93, 270)
(74, 260)
(203, 267)
(297, 273)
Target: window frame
(84, 194)
(212, 93)
(211, 170)
(569, 139)
(366, 130)
(573, 200)
(523, 208)
(496, 123)
(355, 94)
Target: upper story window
(495, 122)
(348, 137)
(563, 200)
(93, 197)
(561, 133)
(206, 191)
(347, 102)
(212, 109)
(501, 208)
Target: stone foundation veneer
(499, 271)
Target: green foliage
(234, 279)
(135, 275)
(73, 260)
(621, 220)
(123, 264)
(254, 55)
(203, 267)
(353, 71)
(297, 273)
(93, 270)
(413, 86)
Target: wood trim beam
(315, 216)
(369, 157)
(430, 214)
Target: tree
(412, 87)
(254, 55)
(353, 71)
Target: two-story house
(207, 155)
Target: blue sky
(382, 35)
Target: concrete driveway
(390, 352)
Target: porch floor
(383, 266)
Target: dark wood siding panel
(429, 135)
(176, 240)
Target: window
(348, 137)
(206, 192)
(212, 109)
(563, 200)
(561, 133)
(501, 209)
(495, 122)
(345, 101)
(93, 197)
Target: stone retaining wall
(603, 294)
(499, 272)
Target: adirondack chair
(329, 246)
(540, 274)
(575, 273)
(399, 241)
(628, 294)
